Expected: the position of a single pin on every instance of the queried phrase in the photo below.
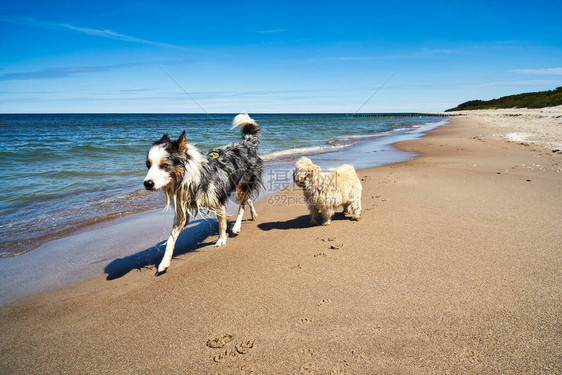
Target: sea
(63, 172)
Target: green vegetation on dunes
(538, 99)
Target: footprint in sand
(320, 255)
(323, 302)
(304, 320)
(240, 348)
(220, 341)
(336, 246)
(297, 267)
(245, 346)
(224, 355)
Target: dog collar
(213, 154)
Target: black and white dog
(192, 180)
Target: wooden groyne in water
(401, 114)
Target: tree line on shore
(538, 99)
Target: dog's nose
(149, 184)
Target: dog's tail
(248, 126)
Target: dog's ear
(300, 174)
(181, 142)
(164, 139)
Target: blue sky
(282, 56)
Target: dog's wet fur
(192, 180)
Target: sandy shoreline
(454, 268)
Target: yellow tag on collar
(214, 155)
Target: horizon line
(210, 113)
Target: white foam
(340, 143)
(302, 150)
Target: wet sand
(453, 268)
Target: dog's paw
(313, 223)
(221, 242)
(327, 222)
(236, 229)
(161, 272)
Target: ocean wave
(353, 138)
(331, 145)
(290, 152)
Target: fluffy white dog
(326, 190)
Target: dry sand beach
(541, 126)
(455, 267)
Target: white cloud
(271, 31)
(109, 34)
(364, 58)
(63, 72)
(514, 83)
(542, 71)
(423, 52)
(442, 51)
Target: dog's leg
(221, 216)
(243, 200)
(314, 216)
(252, 209)
(238, 223)
(346, 210)
(356, 210)
(243, 193)
(327, 215)
(179, 224)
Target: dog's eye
(148, 164)
(165, 166)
